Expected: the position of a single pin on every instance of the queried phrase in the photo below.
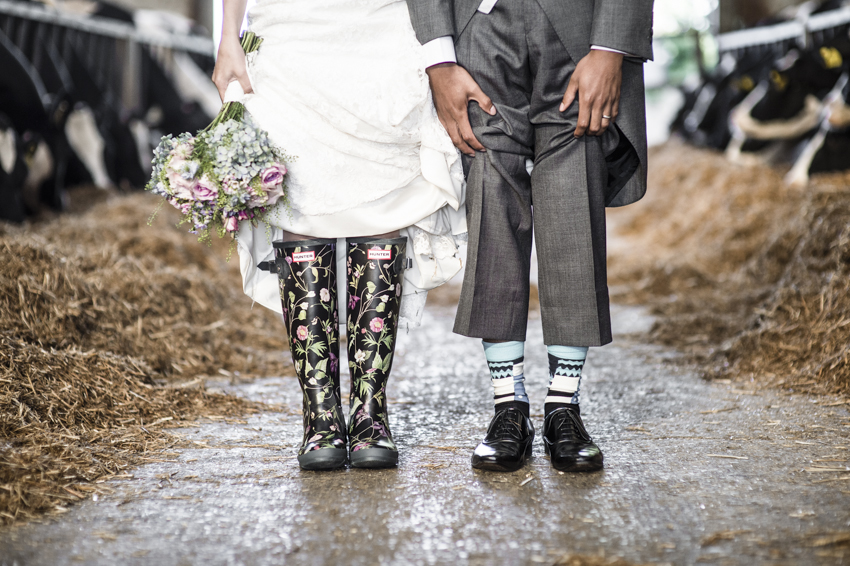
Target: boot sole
(374, 458)
(496, 467)
(324, 459)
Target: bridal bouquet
(227, 173)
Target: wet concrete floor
(695, 472)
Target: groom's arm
(452, 86)
(620, 27)
(624, 25)
(432, 19)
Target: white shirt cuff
(600, 48)
(440, 50)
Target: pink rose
(271, 187)
(180, 187)
(205, 190)
(274, 194)
(273, 176)
(376, 324)
(301, 333)
(231, 224)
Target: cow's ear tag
(831, 57)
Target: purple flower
(376, 324)
(333, 362)
(352, 301)
(273, 176)
(205, 190)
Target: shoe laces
(570, 423)
(506, 423)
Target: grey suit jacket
(625, 25)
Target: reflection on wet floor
(695, 473)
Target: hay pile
(751, 275)
(107, 327)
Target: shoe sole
(374, 458)
(585, 466)
(494, 467)
(324, 459)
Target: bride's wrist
(229, 36)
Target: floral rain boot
(307, 275)
(375, 274)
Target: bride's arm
(230, 64)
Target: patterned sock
(505, 362)
(565, 365)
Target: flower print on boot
(375, 273)
(307, 275)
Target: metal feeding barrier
(805, 31)
(110, 49)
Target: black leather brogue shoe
(567, 442)
(507, 444)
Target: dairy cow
(13, 172)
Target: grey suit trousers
(518, 60)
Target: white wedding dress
(341, 86)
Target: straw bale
(747, 273)
(102, 319)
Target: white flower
(311, 294)
(360, 356)
(384, 298)
(304, 305)
(325, 295)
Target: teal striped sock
(505, 360)
(565, 365)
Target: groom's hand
(453, 88)
(596, 80)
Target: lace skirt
(340, 85)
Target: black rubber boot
(375, 275)
(307, 274)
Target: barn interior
(110, 322)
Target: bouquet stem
(235, 110)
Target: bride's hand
(231, 66)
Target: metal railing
(107, 28)
(111, 50)
(797, 30)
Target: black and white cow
(704, 118)
(62, 90)
(13, 172)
